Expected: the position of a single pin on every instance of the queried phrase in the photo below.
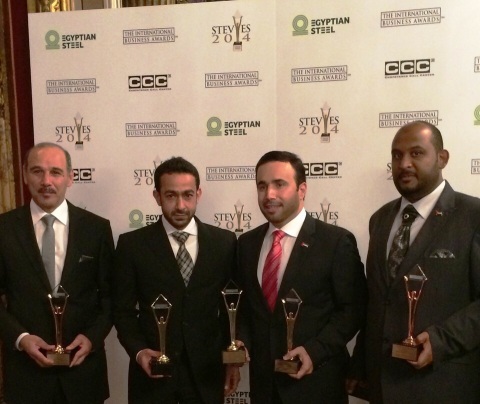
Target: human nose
(180, 203)
(405, 161)
(46, 178)
(270, 193)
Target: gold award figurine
(161, 365)
(408, 349)
(58, 302)
(291, 305)
(231, 296)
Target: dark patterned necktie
(270, 270)
(48, 248)
(401, 241)
(184, 260)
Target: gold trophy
(291, 306)
(231, 296)
(58, 301)
(414, 282)
(161, 365)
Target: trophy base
(59, 359)
(232, 357)
(291, 366)
(161, 368)
(406, 351)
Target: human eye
(396, 155)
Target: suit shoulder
(89, 217)
(384, 209)
(142, 232)
(217, 232)
(330, 229)
(253, 234)
(11, 214)
(467, 201)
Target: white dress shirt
(192, 241)
(291, 229)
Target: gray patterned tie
(48, 248)
(401, 241)
(184, 260)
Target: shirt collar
(425, 205)
(292, 228)
(190, 229)
(60, 213)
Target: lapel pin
(438, 213)
(303, 244)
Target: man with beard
(444, 241)
(321, 263)
(80, 259)
(151, 262)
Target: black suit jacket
(145, 268)
(326, 272)
(25, 284)
(449, 308)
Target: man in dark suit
(321, 263)
(445, 242)
(82, 265)
(146, 266)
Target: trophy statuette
(231, 296)
(161, 365)
(58, 302)
(408, 349)
(291, 305)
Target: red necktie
(270, 270)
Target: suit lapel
(382, 239)
(251, 265)
(159, 244)
(26, 236)
(303, 245)
(201, 263)
(75, 232)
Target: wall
(332, 83)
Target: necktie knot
(409, 214)
(48, 220)
(278, 235)
(180, 236)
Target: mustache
(47, 190)
(405, 171)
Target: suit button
(387, 302)
(185, 324)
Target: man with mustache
(443, 238)
(81, 261)
(149, 263)
(321, 263)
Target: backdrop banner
(222, 83)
